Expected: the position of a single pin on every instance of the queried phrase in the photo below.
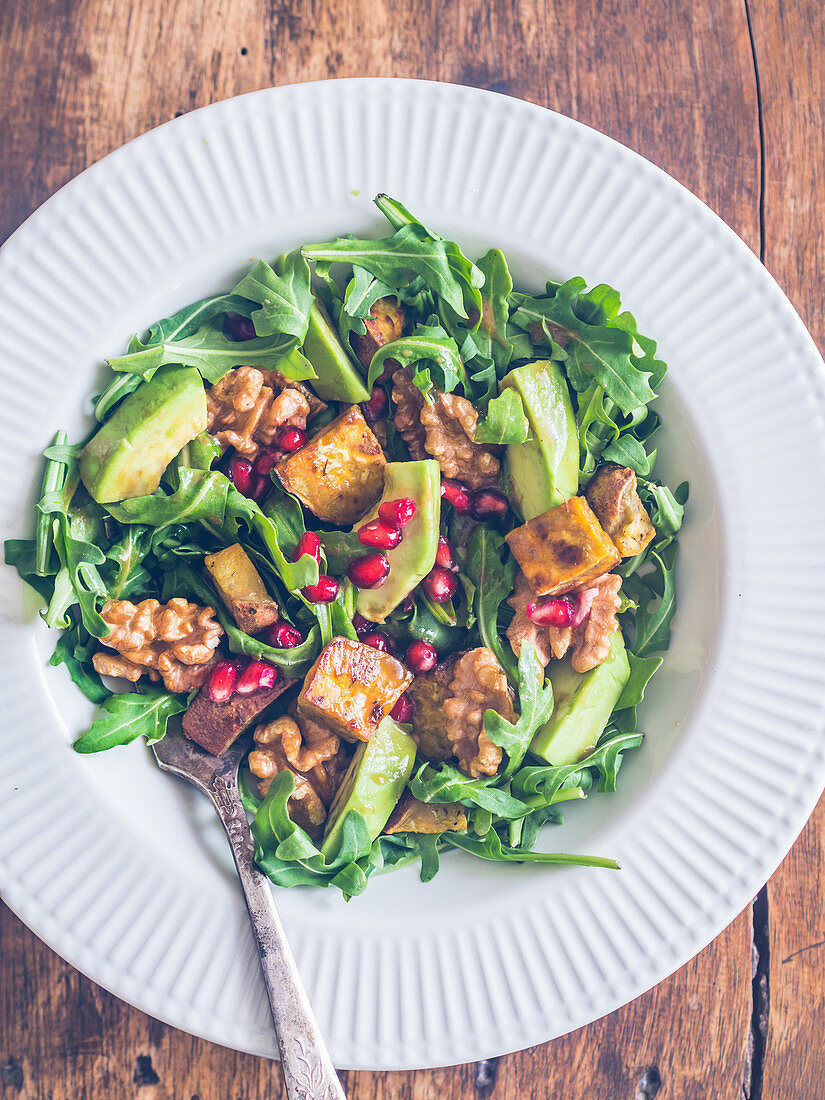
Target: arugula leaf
(54, 477)
(493, 582)
(429, 343)
(201, 494)
(628, 451)
(444, 783)
(129, 578)
(504, 421)
(21, 554)
(362, 292)
(397, 214)
(546, 780)
(490, 338)
(641, 670)
(295, 575)
(129, 716)
(284, 297)
(441, 264)
(535, 706)
(655, 593)
(493, 848)
(74, 649)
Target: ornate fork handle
(308, 1071)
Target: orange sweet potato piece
(412, 816)
(241, 589)
(384, 324)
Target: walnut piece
(444, 430)
(174, 642)
(429, 723)
(613, 496)
(316, 759)
(246, 408)
(588, 643)
(478, 684)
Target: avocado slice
(127, 456)
(543, 472)
(374, 782)
(414, 557)
(583, 702)
(338, 379)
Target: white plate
(121, 869)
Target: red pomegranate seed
(421, 657)
(399, 512)
(377, 533)
(291, 439)
(489, 504)
(377, 639)
(308, 543)
(223, 681)
(444, 554)
(362, 625)
(551, 612)
(240, 474)
(324, 590)
(369, 571)
(257, 676)
(240, 327)
(404, 709)
(440, 584)
(261, 484)
(266, 461)
(377, 407)
(457, 494)
(581, 609)
(283, 636)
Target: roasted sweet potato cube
(429, 722)
(239, 585)
(563, 548)
(613, 496)
(412, 816)
(384, 324)
(351, 687)
(339, 475)
(214, 726)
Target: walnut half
(478, 684)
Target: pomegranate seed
(324, 590)
(457, 494)
(266, 461)
(240, 327)
(404, 709)
(362, 625)
(421, 657)
(223, 681)
(489, 504)
(308, 543)
(283, 636)
(240, 474)
(291, 439)
(551, 612)
(257, 676)
(444, 554)
(377, 639)
(369, 571)
(584, 601)
(383, 536)
(377, 407)
(440, 584)
(400, 512)
(261, 485)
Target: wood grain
(672, 80)
(788, 40)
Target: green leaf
(493, 848)
(490, 338)
(284, 297)
(546, 781)
(129, 716)
(441, 264)
(628, 451)
(201, 494)
(655, 593)
(397, 214)
(444, 783)
(429, 344)
(21, 554)
(641, 671)
(493, 580)
(504, 421)
(362, 292)
(535, 706)
(126, 554)
(74, 649)
(58, 458)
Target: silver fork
(308, 1071)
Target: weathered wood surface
(677, 82)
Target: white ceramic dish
(122, 870)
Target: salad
(395, 518)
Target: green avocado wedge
(543, 472)
(414, 557)
(374, 782)
(583, 703)
(338, 379)
(127, 456)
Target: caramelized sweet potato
(563, 548)
(412, 816)
(240, 587)
(214, 726)
(384, 324)
(340, 473)
(351, 687)
(613, 496)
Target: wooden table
(726, 95)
